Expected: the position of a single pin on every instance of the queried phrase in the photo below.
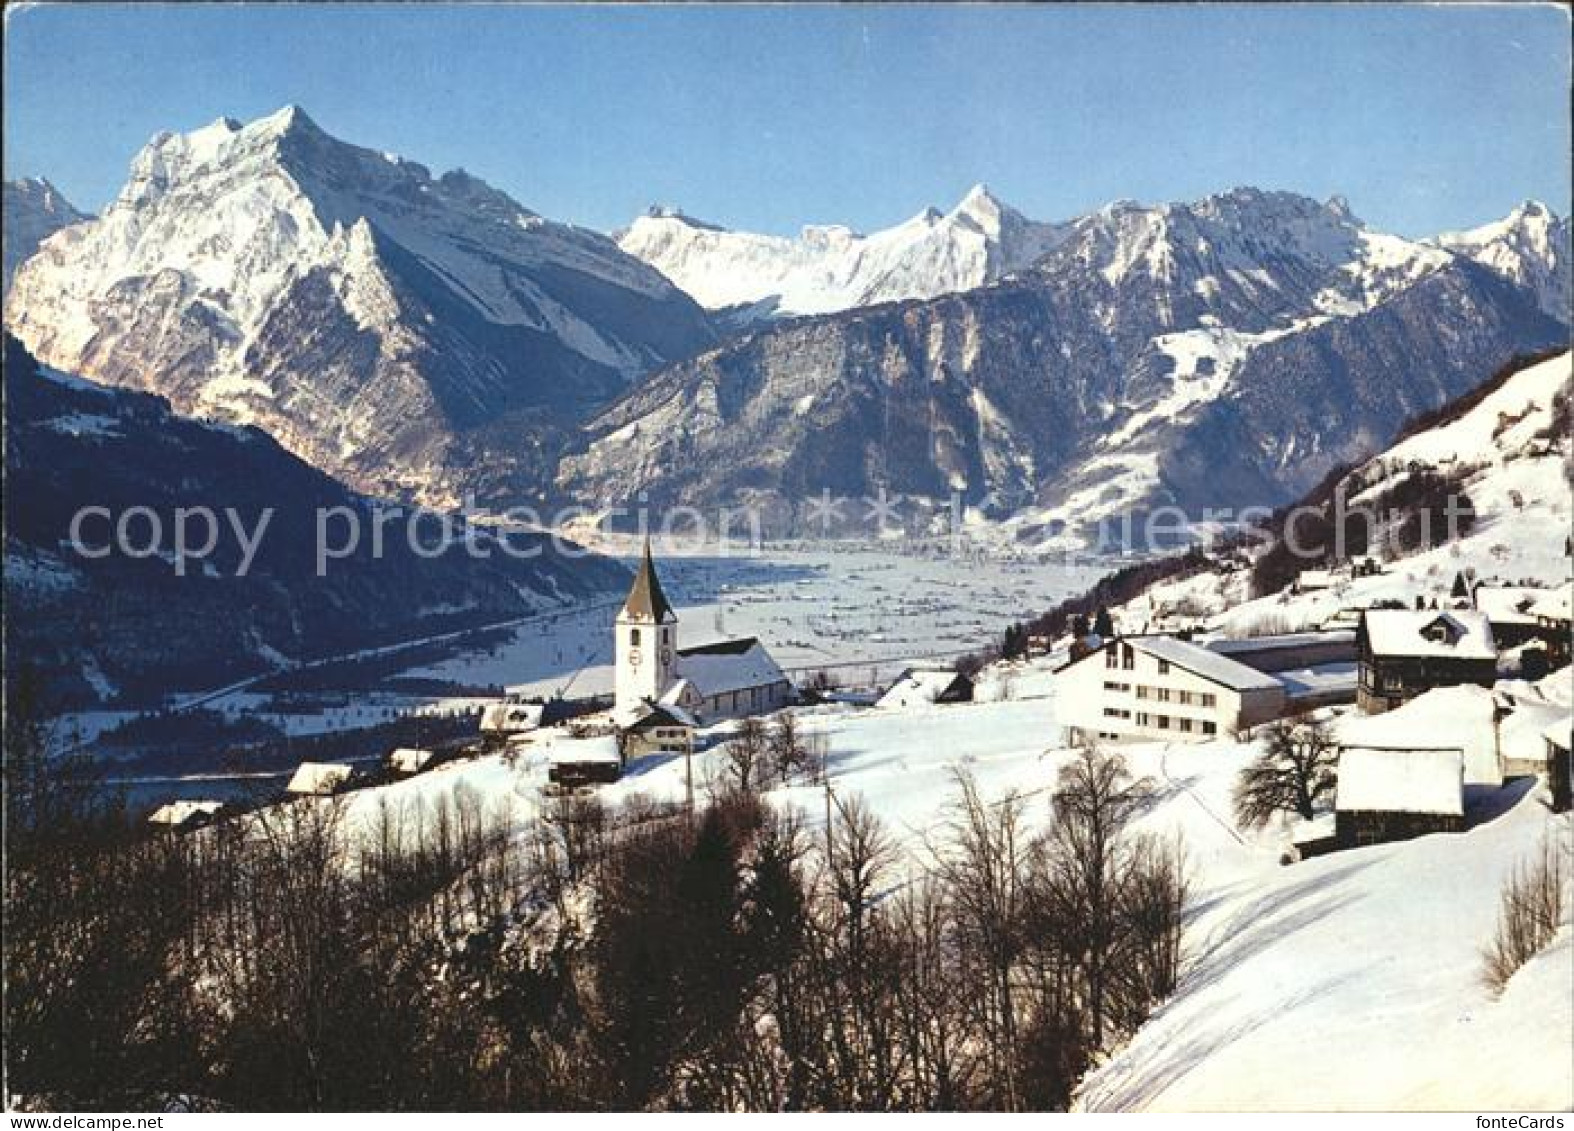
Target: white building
(320, 778)
(727, 678)
(1155, 688)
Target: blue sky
(767, 118)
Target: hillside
(106, 627)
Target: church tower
(647, 640)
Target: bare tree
(1295, 770)
(1530, 913)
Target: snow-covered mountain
(405, 331)
(831, 268)
(1225, 352)
(34, 210)
(1530, 245)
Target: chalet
(186, 816)
(724, 679)
(1153, 688)
(320, 779)
(1509, 612)
(1387, 795)
(1403, 653)
(511, 718)
(657, 728)
(1560, 763)
(584, 761)
(919, 687)
(1464, 718)
(409, 760)
(1555, 619)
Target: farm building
(184, 816)
(1403, 653)
(1387, 795)
(1142, 688)
(1553, 615)
(1508, 609)
(1464, 718)
(319, 779)
(584, 761)
(410, 760)
(919, 687)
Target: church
(720, 680)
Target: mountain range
(429, 337)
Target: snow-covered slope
(34, 210)
(1222, 353)
(830, 268)
(1530, 245)
(1513, 451)
(1348, 981)
(374, 317)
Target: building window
(1164, 667)
(1164, 722)
(634, 637)
(1185, 725)
(1144, 692)
(1210, 728)
(1128, 657)
(1144, 719)
(1109, 658)
(1164, 695)
(1209, 699)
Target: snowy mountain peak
(270, 272)
(833, 267)
(34, 211)
(1530, 246)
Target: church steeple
(646, 633)
(646, 601)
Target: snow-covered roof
(1508, 604)
(179, 812)
(601, 748)
(1210, 665)
(1253, 644)
(1556, 605)
(409, 759)
(1464, 633)
(728, 665)
(1320, 679)
(917, 688)
(1377, 780)
(319, 777)
(511, 717)
(1456, 718)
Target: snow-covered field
(857, 611)
(1347, 981)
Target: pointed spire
(646, 601)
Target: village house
(1403, 653)
(1147, 688)
(320, 779)
(591, 760)
(656, 728)
(1556, 620)
(1464, 718)
(1509, 612)
(187, 816)
(512, 718)
(719, 680)
(408, 760)
(1386, 795)
(921, 687)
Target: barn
(1387, 795)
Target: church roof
(646, 601)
